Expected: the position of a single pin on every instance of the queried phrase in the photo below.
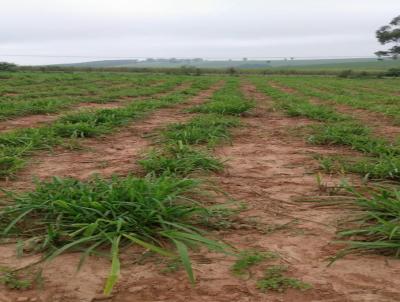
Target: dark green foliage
(393, 72)
(5, 66)
(390, 34)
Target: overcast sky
(189, 28)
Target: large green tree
(390, 34)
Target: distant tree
(5, 66)
(390, 34)
(245, 59)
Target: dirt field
(271, 168)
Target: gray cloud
(218, 28)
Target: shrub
(4, 66)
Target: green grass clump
(354, 135)
(376, 228)
(9, 165)
(230, 105)
(247, 259)
(208, 128)
(70, 215)
(382, 167)
(228, 101)
(180, 160)
(312, 111)
(275, 280)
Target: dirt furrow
(381, 125)
(38, 120)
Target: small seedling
(172, 266)
(12, 280)
(275, 280)
(247, 259)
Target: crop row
(50, 99)
(18, 144)
(376, 98)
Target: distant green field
(368, 64)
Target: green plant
(274, 279)
(12, 280)
(348, 73)
(18, 144)
(67, 214)
(172, 266)
(376, 227)
(207, 128)
(5, 66)
(393, 72)
(247, 259)
(354, 135)
(180, 160)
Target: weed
(247, 259)
(12, 280)
(275, 280)
(172, 266)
